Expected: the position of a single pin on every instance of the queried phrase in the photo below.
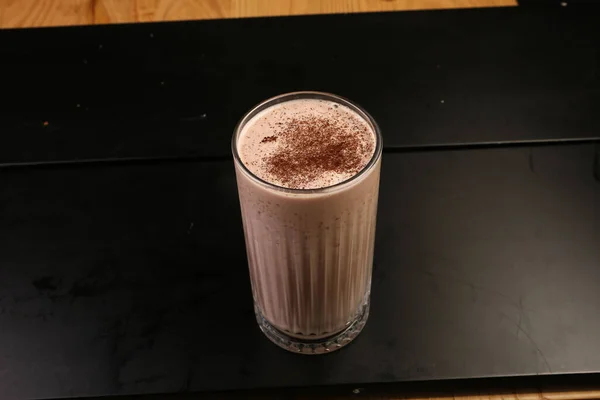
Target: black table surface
(177, 89)
(122, 261)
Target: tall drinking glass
(309, 242)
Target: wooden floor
(35, 13)
(32, 13)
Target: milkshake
(307, 167)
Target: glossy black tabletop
(122, 261)
(178, 89)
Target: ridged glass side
(310, 259)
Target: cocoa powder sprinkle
(312, 146)
(269, 139)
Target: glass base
(321, 345)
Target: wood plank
(119, 11)
(34, 13)
(574, 395)
(245, 8)
(581, 395)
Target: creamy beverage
(307, 167)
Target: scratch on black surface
(531, 162)
(391, 343)
(22, 299)
(187, 384)
(149, 332)
(433, 283)
(149, 379)
(387, 376)
(47, 283)
(473, 286)
(44, 315)
(519, 327)
(597, 163)
(533, 342)
(473, 292)
(153, 328)
(194, 117)
(97, 282)
(114, 334)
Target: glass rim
(282, 98)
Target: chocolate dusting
(269, 139)
(311, 147)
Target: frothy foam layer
(306, 144)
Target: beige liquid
(310, 254)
